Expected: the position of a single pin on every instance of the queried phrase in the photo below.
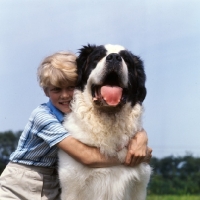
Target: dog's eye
(98, 55)
(128, 58)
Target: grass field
(172, 197)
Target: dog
(106, 113)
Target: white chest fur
(110, 133)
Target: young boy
(31, 173)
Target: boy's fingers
(149, 155)
(135, 161)
(149, 150)
(128, 157)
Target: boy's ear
(81, 61)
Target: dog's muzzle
(111, 92)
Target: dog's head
(111, 75)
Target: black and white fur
(95, 123)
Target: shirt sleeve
(47, 127)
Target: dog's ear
(137, 77)
(81, 61)
(141, 79)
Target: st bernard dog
(106, 113)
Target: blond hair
(58, 70)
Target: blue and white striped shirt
(37, 143)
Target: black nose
(113, 57)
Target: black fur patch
(89, 57)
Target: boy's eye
(55, 89)
(70, 88)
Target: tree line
(171, 175)
(175, 175)
(8, 143)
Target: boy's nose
(64, 94)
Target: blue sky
(165, 34)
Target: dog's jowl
(106, 112)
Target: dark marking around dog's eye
(87, 60)
(97, 54)
(94, 58)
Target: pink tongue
(112, 95)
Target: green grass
(173, 197)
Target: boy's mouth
(65, 103)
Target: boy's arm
(86, 155)
(138, 151)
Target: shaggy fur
(108, 127)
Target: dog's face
(111, 75)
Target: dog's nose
(113, 57)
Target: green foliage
(8, 143)
(173, 197)
(175, 175)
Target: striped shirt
(37, 143)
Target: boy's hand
(147, 159)
(137, 150)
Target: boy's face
(60, 97)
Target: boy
(31, 173)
